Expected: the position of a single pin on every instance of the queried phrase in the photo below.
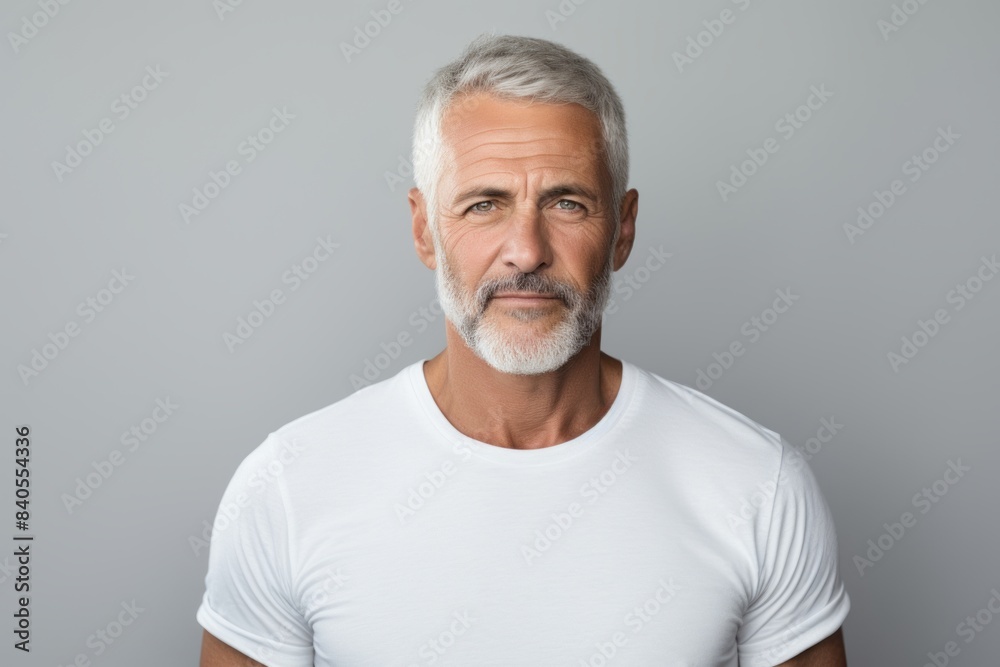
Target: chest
(582, 575)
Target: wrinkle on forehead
(540, 146)
(504, 136)
(463, 122)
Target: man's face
(524, 231)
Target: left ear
(626, 223)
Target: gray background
(325, 175)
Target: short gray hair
(512, 67)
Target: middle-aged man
(523, 498)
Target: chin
(525, 355)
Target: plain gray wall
(325, 175)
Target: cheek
(472, 255)
(466, 276)
(588, 261)
(461, 241)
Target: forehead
(482, 130)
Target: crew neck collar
(526, 457)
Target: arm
(827, 653)
(215, 653)
(249, 607)
(796, 615)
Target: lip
(525, 299)
(523, 295)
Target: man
(523, 498)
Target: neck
(522, 411)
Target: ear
(422, 239)
(626, 222)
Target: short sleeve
(248, 601)
(801, 598)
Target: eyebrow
(548, 193)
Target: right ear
(422, 239)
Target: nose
(526, 245)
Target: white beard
(516, 349)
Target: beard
(519, 348)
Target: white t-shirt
(675, 531)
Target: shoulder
(705, 426)
(338, 437)
(732, 464)
(358, 415)
(356, 407)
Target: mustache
(526, 282)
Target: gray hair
(512, 67)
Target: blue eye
(576, 205)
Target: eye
(478, 207)
(577, 206)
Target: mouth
(523, 295)
(525, 299)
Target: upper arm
(800, 597)
(828, 653)
(216, 653)
(250, 601)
